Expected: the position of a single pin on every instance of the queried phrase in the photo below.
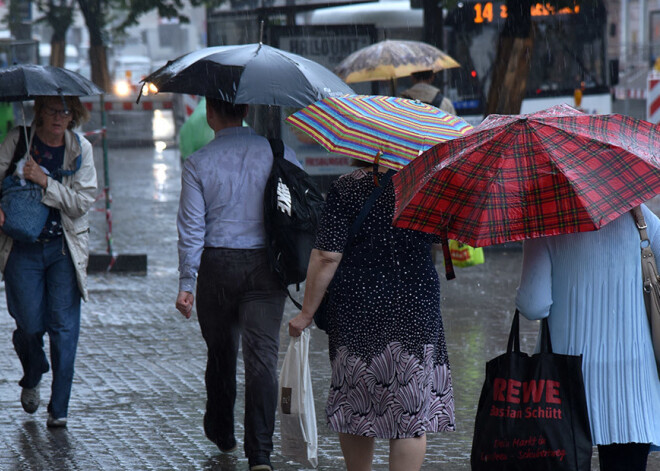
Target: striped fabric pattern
(361, 126)
(522, 176)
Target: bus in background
(569, 50)
(568, 61)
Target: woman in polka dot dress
(390, 371)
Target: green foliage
(166, 9)
(58, 14)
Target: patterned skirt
(396, 395)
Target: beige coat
(73, 197)
(426, 93)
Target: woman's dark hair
(79, 113)
(226, 109)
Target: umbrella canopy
(364, 126)
(27, 81)
(392, 59)
(516, 177)
(250, 73)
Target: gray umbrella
(27, 81)
(250, 73)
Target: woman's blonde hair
(79, 113)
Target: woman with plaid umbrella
(589, 286)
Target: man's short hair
(423, 75)
(226, 109)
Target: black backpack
(292, 209)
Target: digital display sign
(487, 12)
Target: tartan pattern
(517, 177)
(361, 126)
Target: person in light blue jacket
(589, 285)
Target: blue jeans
(240, 299)
(43, 296)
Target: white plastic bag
(296, 404)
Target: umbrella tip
(261, 32)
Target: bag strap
(62, 172)
(364, 212)
(277, 146)
(513, 345)
(437, 100)
(647, 253)
(645, 245)
(546, 343)
(19, 150)
(450, 274)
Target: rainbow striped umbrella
(365, 127)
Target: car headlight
(122, 88)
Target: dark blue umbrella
(251, 73)
(27, 81)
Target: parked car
(127, 71)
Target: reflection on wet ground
(138, 396)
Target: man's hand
(2, 218)
(184, 303)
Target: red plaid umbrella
(516, 177)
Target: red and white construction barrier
(190, 103)
(622, 93)
(130, 105)
(653, 97)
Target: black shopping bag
(532, 412)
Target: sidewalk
(138, 395)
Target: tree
(100, 15)
(59, 16)
(514, 51)
(96, 13)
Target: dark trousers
(239, 299)
(623, 456)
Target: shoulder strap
(78, 160)
(277, 146)
(437, 101)
(640, 222)
(362, 215)
(19, 151)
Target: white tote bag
(296, 404)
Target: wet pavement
(138, 395)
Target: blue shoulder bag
(25, 214)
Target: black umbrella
(27, 81)
(250, 73)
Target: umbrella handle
(28, 142)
